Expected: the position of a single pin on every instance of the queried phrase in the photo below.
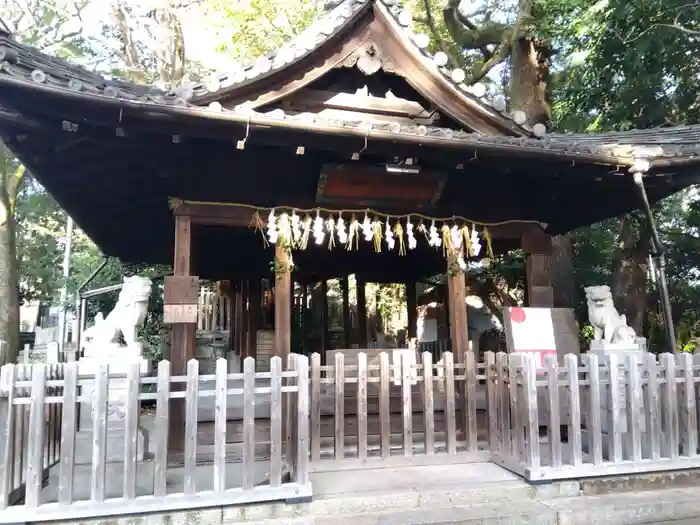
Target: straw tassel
(257, 224)
(377, 235)
(304, 241)
(398, 232)
(353, 234)
(489, 247)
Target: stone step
(424, 498)
(524, 512)
(630, 508)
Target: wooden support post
(325, 339)
(183, 347)
(283, 316)
(538, 247)
(305, 318)
(457, 293)
(238, 320)
(346, 312)
(361, 312)
(412, 311)
(254, 315)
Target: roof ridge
(337, 14)
(40, 67)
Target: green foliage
(252, 28)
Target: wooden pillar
(283, 315)
(305, 318)
(457, 299)
(183, 347)
(538, 247)
(412, 311)
(238, 320)
(324, 317)
(361, 312)
(346, 312)
(448, 309)
(254, 315)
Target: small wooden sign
(180, 299)
(181, 289)
(179, 313)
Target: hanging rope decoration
(383, 231)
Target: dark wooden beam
(221, 214)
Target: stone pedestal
(623, 351)
(119, 360)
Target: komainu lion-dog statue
(610, 326)
(127, 316)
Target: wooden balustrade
(619, 415)
(131, 486)
(370, 408)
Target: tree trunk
(562, 266)
(9, 281)
(630, 270)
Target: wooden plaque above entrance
(385, 185)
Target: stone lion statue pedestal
(100, 346)
(612, 337)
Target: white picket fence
(586, 418)
(626, 416)
(233, 478)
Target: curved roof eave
(664, 147)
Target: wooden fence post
(689, 440)
(554, 421)
(593, 415)
(315, 407)
(429, 404)
(221, 406)
(614, 399)
(160, 463)
(634, 408)
(571, 363)
(532, 428)
(670, 403)
(653, 407)
(339, 416)
(302, 420)
(491, 399)
(8, 375)
(275, 421)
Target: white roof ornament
(639, 168)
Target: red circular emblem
(517, 315)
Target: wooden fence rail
(19, 418)
(131, 486)
(391, 410)
(624, 415)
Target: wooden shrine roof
(112, 152)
